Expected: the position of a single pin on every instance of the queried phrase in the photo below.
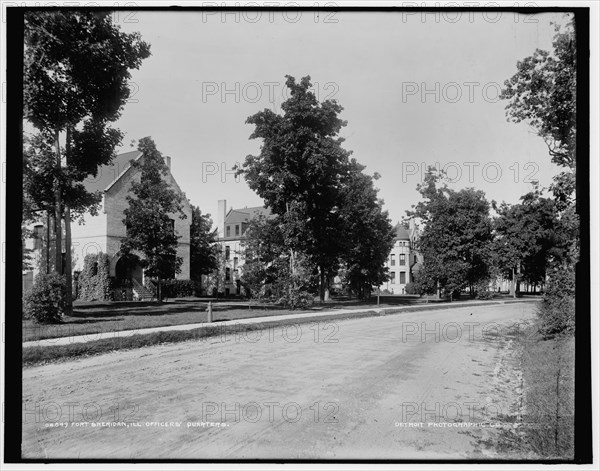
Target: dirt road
(414, 385)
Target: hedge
(180, 288)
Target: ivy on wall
(94, 280)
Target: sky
(417, 90)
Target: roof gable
(109, 174)
(401, 233)
(237, 216)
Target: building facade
(104, 231)
(231, 227)
(404, 261)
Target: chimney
(168, 161)
(221, 213)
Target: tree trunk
(159, 291)
(47, 245)
(58, 210)
(68, 267)
(321, 284)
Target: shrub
(297, 299)
(180, 288)
(557, 310)
(483, 291)
(46, 301)
(411, 288)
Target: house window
(402, 259)
(227, 274)
(237, 229)
(228, 231)
(235, 263)
(227, 250)
(402, 277)
(172, 226)
(393, 277)
(38, 237)
(393, 260)
(416, 259)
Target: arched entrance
(129, 269)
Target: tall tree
(543, 94)
(203, 245)
(456, 240)
(299, 172)
(367, 233)
(526, 238)
(149, 219)
(76, 72)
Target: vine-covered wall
(94, 280)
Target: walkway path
(266, 320)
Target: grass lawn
(95, 317)
(548, 398)
(548, 376)
(186, 312)
(98, 317)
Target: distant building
(105, 231)
(231, 227)
(404, 261)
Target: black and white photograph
(308, 233)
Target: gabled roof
(238, 216)
(108, 174)
(401, 233)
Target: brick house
(105, 231)
(405, 260)
(231, 226)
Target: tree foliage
(456, 241)
(543, 94)
(528, 237)
(316, 191)
(76, 81)
(76, 67)
(300, 170)
(203, 245)
(368, 235)
(149, 218)
(271, 270)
